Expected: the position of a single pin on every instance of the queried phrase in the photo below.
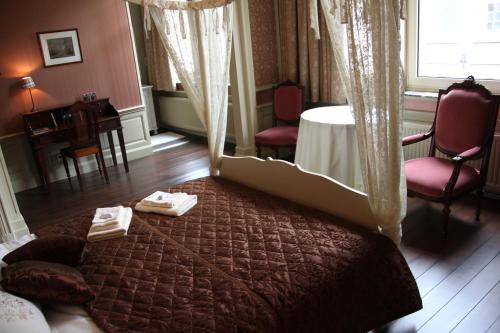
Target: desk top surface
(61, 107)
(64, 127)
(332, 115)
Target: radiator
(422, 149)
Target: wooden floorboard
(446, 289)
(495, 328)
(484, 314)
(449, 316)
(458, 278)
(450, 261)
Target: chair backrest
(288, 102)
(465, 117)
(84, 131)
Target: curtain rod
(181, 5)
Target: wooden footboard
(291, 182)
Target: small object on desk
(41, 130)
(53, 119)
(28, 83)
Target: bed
(268, 248)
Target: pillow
(20, 315)
(66, 250)
(9, 246)
(46, 282)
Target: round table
(327, 144)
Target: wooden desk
(51, 126)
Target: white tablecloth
(327, 145)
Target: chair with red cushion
(288, 104)
(463, 130)
(84, 139)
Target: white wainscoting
(420, 122)
(178, 113)
(21, 165)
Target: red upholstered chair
(463, 130)
(288, 104)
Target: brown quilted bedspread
(243, 261)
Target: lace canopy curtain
(373, 82)
(197, 36)
(305, 59)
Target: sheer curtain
(197, 36)
(374, 82)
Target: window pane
(458, 38)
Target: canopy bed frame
(268, 247)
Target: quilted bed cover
(243, 261)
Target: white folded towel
(96, 232)
(165, 199)
(107, 214)
(174, 211)
(108, 218)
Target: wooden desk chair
(463, 130)
(288, 104)
(84, 139)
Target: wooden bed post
(12, 223)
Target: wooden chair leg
(77, 169)
(101, 156)
(479, 195)
(446, 218)
(65, 163)
(98, 163)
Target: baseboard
(19, 227)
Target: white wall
(178, 113)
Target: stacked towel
(110, 222)
(165, 199)
(172, 204)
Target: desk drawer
(109, 125)
(51, 137)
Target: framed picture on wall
(60, 47)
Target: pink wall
(108, 66)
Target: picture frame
(61, 47)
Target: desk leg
(112, 147)
(122, 147)
(40, 166)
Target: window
(448, 40)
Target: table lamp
(28, 83)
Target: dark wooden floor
(59, 200)
(459, 279)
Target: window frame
(426, 84)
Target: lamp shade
(28, 82)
